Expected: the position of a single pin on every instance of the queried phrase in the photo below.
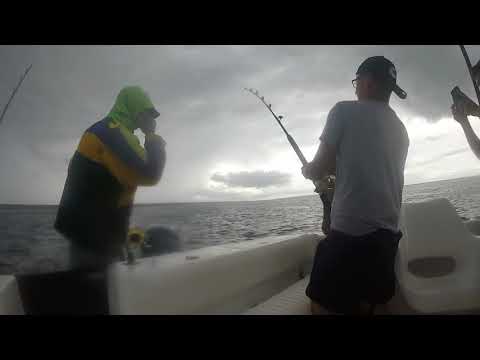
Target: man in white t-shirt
(365, 144)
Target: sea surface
(29, 243)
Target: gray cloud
(252, 179)
(207, 118)
(441, 156)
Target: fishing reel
(324, 185)
(326, 188)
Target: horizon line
(230, 201)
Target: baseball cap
(382, 70)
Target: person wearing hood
(103, 175)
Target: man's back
(372, 145)
(367, 145)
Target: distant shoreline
(230, 201)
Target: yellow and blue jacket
(104, 173)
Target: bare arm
(459, 114)
(472, 139)
(323, 163)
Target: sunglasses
(355, 82)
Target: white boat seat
(291, 301)
(438, 262)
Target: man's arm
(127, 160)
(323, 163)
(472, 139)
(460, 116)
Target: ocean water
(28, 241)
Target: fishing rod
(278, 118)
(469, 66)
(327, 203)
(13, 93)
(289, 137)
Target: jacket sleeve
(130, 163)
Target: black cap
(382, 70)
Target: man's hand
(459, 113)
(307, 171)
(472, 109)
(323, 163)
(148, 126)
(152, 136)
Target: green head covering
(131, 101)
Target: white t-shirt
(371, 149)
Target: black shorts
(351, 270)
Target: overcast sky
(222, 144)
